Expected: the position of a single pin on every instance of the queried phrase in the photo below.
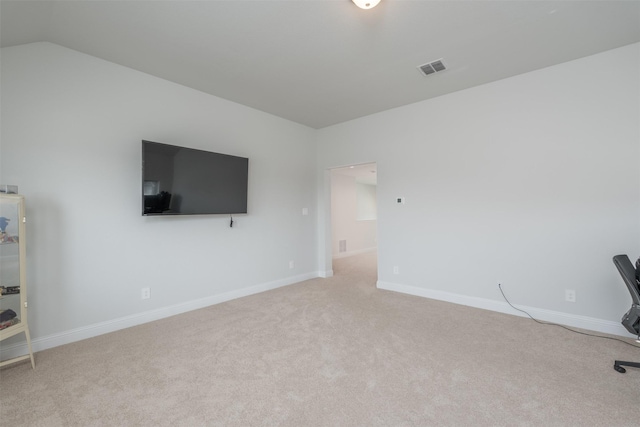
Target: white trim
(352, 253)
(101, 328)
(576, 321)
(325, 274)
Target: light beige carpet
(328, 352)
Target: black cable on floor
(562, 326)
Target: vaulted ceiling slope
(323, 62)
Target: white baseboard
(576, 321)
(78, 334)
(325, 274)
(352, 253)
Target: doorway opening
(354, 219)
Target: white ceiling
(322, 62)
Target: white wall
(532, 182)
(71, 136)
(360, 235)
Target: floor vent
(432, 67)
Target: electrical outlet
(291, 264)
(396, 270)
(145, 293)
(570, 295)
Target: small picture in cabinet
(8, 226)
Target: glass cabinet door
(10, 277)
(13, 284)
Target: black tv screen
(185, 181)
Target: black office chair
(631, 320)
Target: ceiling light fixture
(366, 4)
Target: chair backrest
(628, 273)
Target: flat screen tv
(185, 181)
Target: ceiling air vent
(432, 67)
